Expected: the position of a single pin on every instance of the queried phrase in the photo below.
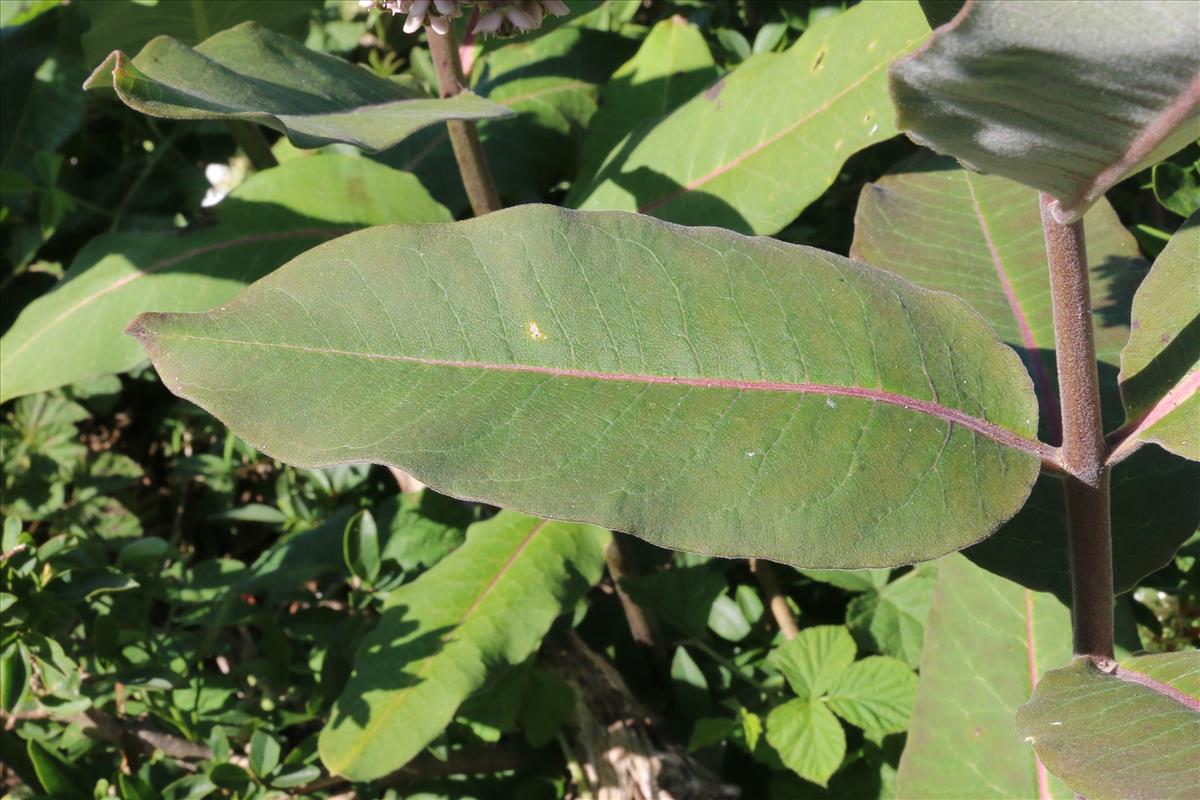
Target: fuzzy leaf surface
(487, 605)
(1003, 89)
(980, 237)
(769, 138)
(987, 642)
(1132, 732)
(1160, 366)
(74, 332)
(604, 367)
(251, 73)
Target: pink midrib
(1043, 778)
(1041, 378)
(1178, 394)
(952, 415)
(1165, 689)
(326, 233)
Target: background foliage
(162, 578)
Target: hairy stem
(775, 597)
(1085, 486)
(464, 137)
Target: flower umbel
(490, 17)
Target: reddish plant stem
(641, 626)
(775, 597)
(464, 137)
(1085, 487)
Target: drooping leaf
(128, 24)
(1067, 97)
(875, 694)
(672, 65)
(1127, 731)
(1155, 501)
(1160, 366)
(987, 642)
(980, 237)
(769, 138)
(486, 605)
(251, 73)
(815, 660)
(604, 366)
(552, 85)
(808, 737)
(74, 332)
(892, 619)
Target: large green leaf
(251, 73)
(129, 24)
(1160, 366)
(485, 606)
(769, 138)
(980, 237)
(1068, 97)
(1127, 731)
(986, 644)
(671, 66)
(605, 366)
(74, 332)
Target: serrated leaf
(808, 737)
(814, 661)
(875, 694)
(1160, 366)
(980, 237)
(601, 367)
(251, 73)
(74, 332)
(769, 137)
(672, 64)
(1003, 89)
(484, 606)
(1128, 731)
(986, 642)
(892, 619)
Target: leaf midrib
(365, 737)
(952, 416)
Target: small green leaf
(14, 675)
(1160, 365)
(58, 778)
(497, 596)
(769, 36)
(251, 73)
(1177, 188)
(1128, 730)
(292, 778)
(734, 43)
(726, 620)
(875, 694)
(815, 659)
(892, 620)
(264, 753)
(548, 703)
(689, 683)
(1002, 89)
(808, 737)
(360, 546)
(710, 731)
(683, 597)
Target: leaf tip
(100, 77)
